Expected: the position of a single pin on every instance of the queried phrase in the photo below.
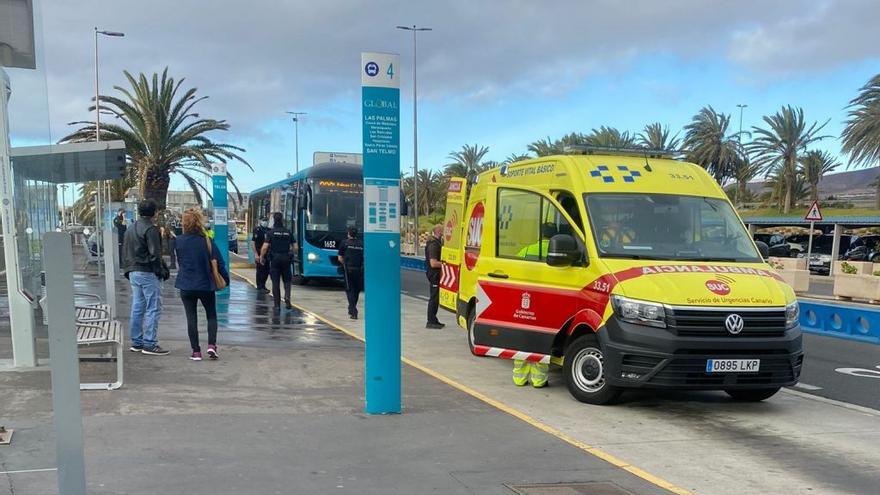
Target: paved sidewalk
(279, 413)
(704, 442)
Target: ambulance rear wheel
(584, 371)
(471, 318)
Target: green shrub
(848, 269)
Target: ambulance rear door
(450, 256)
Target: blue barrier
(412, 263)
(846, 322)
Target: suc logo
(474, 237)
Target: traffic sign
(813, 214)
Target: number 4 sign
(813, 214)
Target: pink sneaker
(212, 352)
(196, 356)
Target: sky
(500, 74)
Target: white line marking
(24, 471)
(819, 398)
(805, 386)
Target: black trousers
(262, 275)
(433, 298)
(279, 270)
(190, 299)
(354, 284)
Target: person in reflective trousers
(523, 371)
(277, 250)
(351, 257)
(259, 238)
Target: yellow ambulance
(628, 267)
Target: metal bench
(102, 332)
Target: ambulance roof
(607, 173)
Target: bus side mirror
(763, 248)
(562, 250)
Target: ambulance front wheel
(584, 371)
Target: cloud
(259, 58)
(819, 36)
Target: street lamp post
(739, 137)
(415, 31)
(114, 34)
(296, 116)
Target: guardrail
(412, 263)
(847, 322)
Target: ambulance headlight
(639, 312)
(792, 315)
(312, 257)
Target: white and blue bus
(319, 204)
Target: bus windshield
(668, 227)
(335, 206)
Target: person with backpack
(145, 271)
(196, 255)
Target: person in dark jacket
(145, 271)
(195, 280)
(351, 257)
(277, 251)
(433, 266)
(121, 225)
(259, 238)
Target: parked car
(867, 248)
(798, 243)
(778, 247)
(820, 257)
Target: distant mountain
(851, 183)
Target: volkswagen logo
(734, 324)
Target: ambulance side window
(518, 224)
(526, 223)
(569, 204)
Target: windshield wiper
(627, 256)
(720, 259)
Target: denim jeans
(146, 306)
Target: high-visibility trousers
(538, 374)
(520, 372)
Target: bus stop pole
(380, 105)
(64, 359)
(221, 221)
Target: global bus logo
(718, 287)
(474, 237)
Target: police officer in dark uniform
(433, 265)
(351, 257)
(278, 246)
(259, 238)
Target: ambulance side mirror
(763, 248)
(562, 250)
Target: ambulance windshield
(668, 227)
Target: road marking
(805, 386)
(25, 471)
(594, 451)
(819, 398)
(860, 372)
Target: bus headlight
(792, 315)
(312, 257)
(639, 312)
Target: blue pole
(380, 91)
(221, 229)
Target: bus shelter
(29, 201)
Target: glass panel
(518, 225)
(335, 206)
(668, 227)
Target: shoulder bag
(219, 281)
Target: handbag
(219, 281)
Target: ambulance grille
(710, 323)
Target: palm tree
(84, 206)
(611, 137)
(657, 137)
(777, 148)
(545, 147)
(708, 145)
(861, 136)
(743, 172)
(432, 190)
(516, 157)
(779, 187)
(162, 135)
(467, 161)
(814, 165)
